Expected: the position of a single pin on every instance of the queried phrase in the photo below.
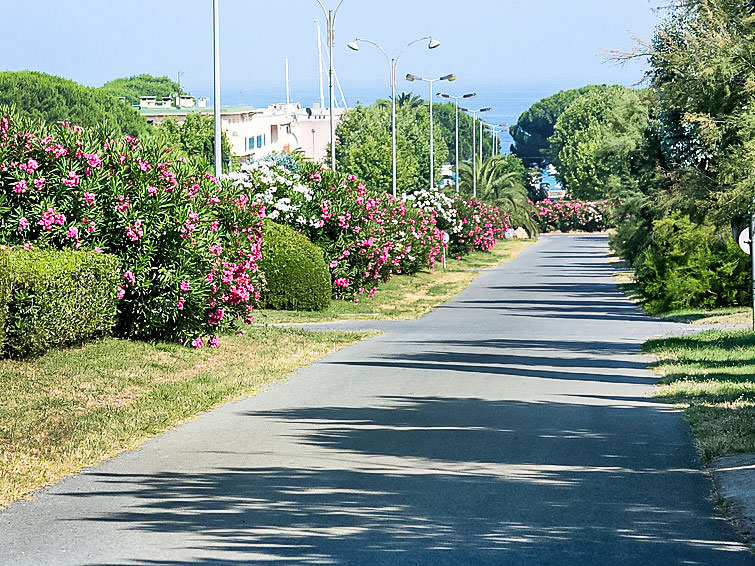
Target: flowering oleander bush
(482, 226)
(188, 246)
(587, 216)
(367, 236)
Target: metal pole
(331, 41)
(752, 257)
(457, 146)
(393, 121)
(216, 79)
(432, 155)
(481, 141)
(474, 157)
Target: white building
(257, 132)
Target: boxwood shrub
(295, 272)
(5, 279)
(58, 298)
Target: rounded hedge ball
(295, 273)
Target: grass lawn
(407, 297)
(711, 375)
(72, 408)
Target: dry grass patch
(72, 408)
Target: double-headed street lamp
(456, 99)
(433, 43)
(330, 15)
(412, 78)
(474, 145)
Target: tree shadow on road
(442, 480)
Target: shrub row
(188, 246)
(50, 299)
(368, 237)
(568, 215)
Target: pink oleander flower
(98, 250)
(152, 191)
(121, 292)
(20, 187)
(39, 182)
(196, 343)
(185, 286)
(214, 342)
(72, 233)
(23, 224)
(129, 276)
(333, 264)
(73, 179)
(216, 249)
(180, 303)
(28, 246)
(240, 333)
(89, 197)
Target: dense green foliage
(687, 264)
(364, 146)
(595, 139)
(296, 277)
(535, 126)
(444, 118)
(52, 99)
(58, 298)
(132, 88)
(194, 138)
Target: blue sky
(495, 44)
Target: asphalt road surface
(510, 426)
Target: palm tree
(497, 184)
(409, 100)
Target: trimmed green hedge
(5, 281)
(296, 275)
(58, 298)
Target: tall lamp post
(433, 43)
(456, 100)
(474, 144)
(495, 130)
(412, 78)
(330, 15)
(216, 88)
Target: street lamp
(330, 15)
(495, 130)
(412, 78)
(432, 44)
(474, 145)
(456, 99)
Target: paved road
(510, 426)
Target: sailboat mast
(288, 88)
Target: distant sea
(507, 103)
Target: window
(251, 143)
(259, 141)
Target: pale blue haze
(511, 52)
